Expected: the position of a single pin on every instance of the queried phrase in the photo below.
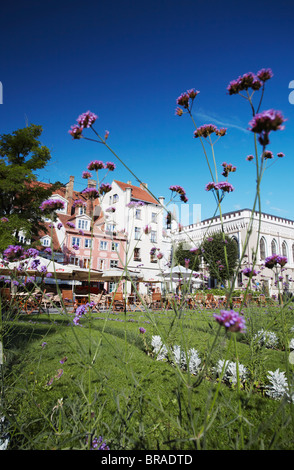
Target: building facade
(73, 238)
(134, 211)
(270, 235)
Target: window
(102, 264)
(153, 236)
(75, 241)
(110, 227)
(46, 242)
(262, 248)
(112, 287)
(103, 245)
(274, 247)
(154, 217)
(114, 246)
(138, 214)
(82, 210)
(284, 249)
(137, 254)
(113, 263)
(86, 263)
(110, 200)
(153, 258)
(137, 233)
(115, 198)
(75, 260)
(83, 224)
(88, 243)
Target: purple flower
(271, 261)
(59, 374)
(265, 74)
(96, 165)
(86, 119)
(267, 121)
(76, 247)
(110, 166)
(4, 219)
(142, 330)
(52, 205)
(249, 158)
(231, 320)
(59, 225)
(280, 154)
(76, 132)
(86, 175)
(70, 224)
(249, 272)
(248, 80)
(267, 154)
(63, 360)
(105, 188)
(13, 252)
(90, 193)
(184, 99)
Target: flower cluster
(132, 204)
(52, 205)
(228, 168)
(249, 272)
(96, 165)
(186, 100)
(249, 80)
(265, 122)
(78, 203)
(222, 185)
(82, 310)
(180, 191)
(105, 188)
(273, 260)
(90, 193)
(208, 129)
(85, 120)
(231, 320)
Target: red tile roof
(137, 192)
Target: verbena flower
(186, 99)
(142, 330)
(86, 175)
(264, 74)
(96, 165)
(76, 131)
(249, 272)
(231, 320)
(110, 166)
(265, 122)
(180, 191)
(90, 193)
(86, 119)
(105, 188)
(52, 205)
(70, 224)
(249, 158)
(248, 80)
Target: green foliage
(181, 254)
(21, 154)
(220, 254)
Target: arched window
(262, 248)
(274, 247)
(284, 249)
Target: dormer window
(83, 224)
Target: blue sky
(128, 61)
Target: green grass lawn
(108, 385)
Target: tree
(21, 154)
(220, 254)
(182, 255)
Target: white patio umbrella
(62, 271)
(120, 273)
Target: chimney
(69, 193)
(91, 183)
(143, 186)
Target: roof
(137, 192)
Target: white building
(276, 237)
(134, 210)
